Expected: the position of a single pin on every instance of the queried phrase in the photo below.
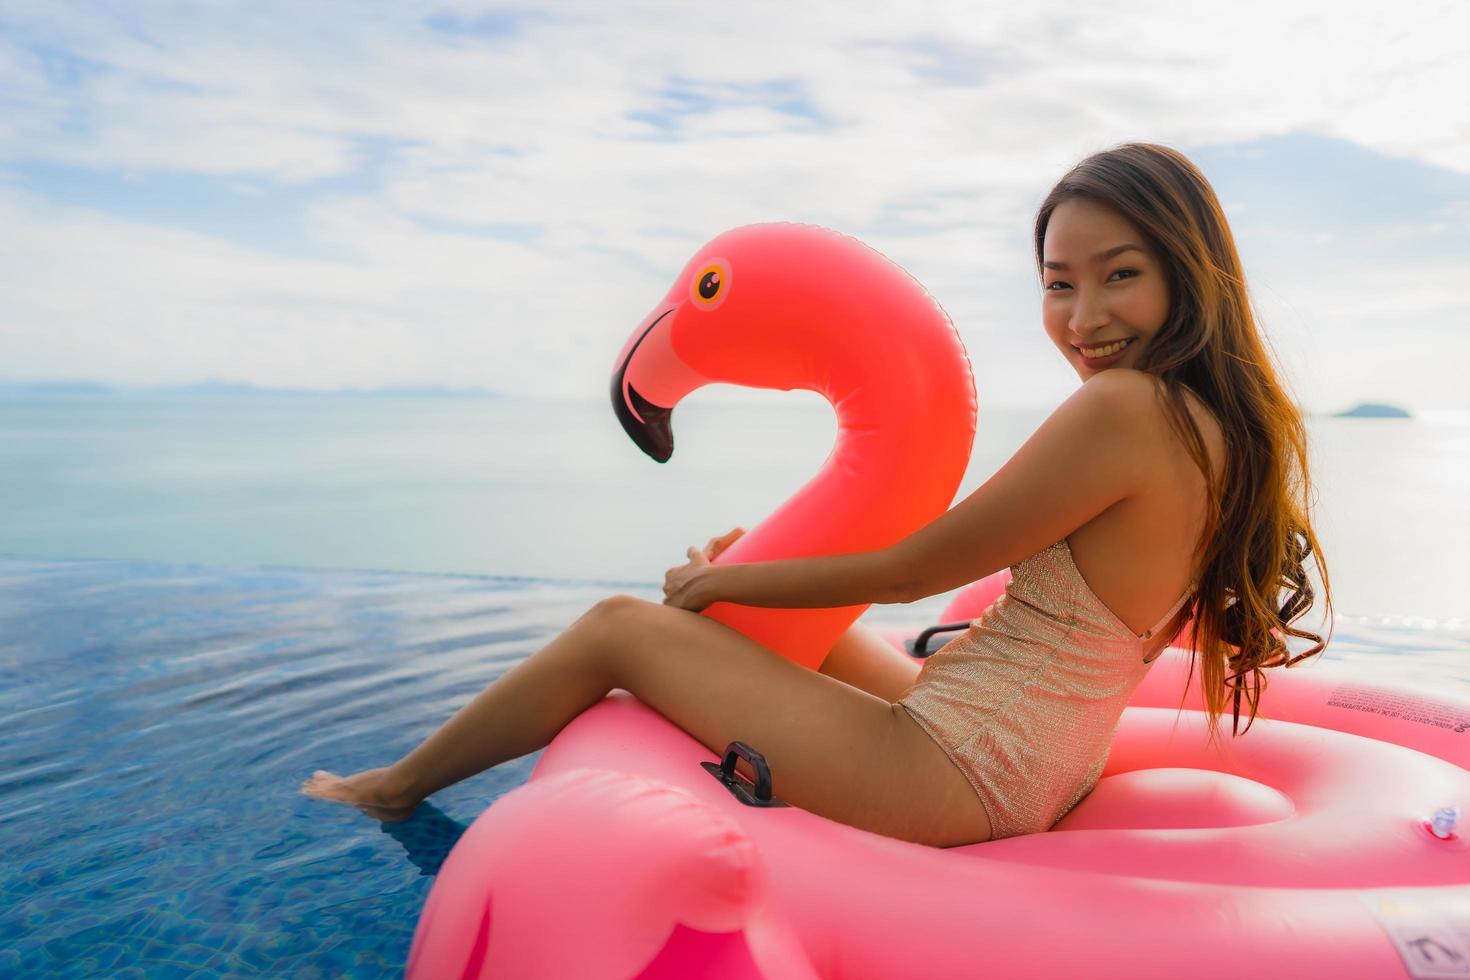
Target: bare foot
(367, 790)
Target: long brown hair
(1257, 534)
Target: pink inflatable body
(1303, 850)
(1321, 843)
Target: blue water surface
(156, 721)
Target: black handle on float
(919, 645)
(757, 762)
(738, 784)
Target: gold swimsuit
(1026, 702)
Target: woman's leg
(520, 712)
(833, 749)
(862, 658)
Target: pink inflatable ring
(1307, 844)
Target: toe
(320, 784)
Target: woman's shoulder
(1141, 398)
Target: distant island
(1374, 410)
(231, 388)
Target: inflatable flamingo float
(1322, 843)
(796, 306)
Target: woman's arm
(800, 583)
(819, 582)
(1092, 452)
(1097, 449)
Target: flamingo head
(779, 306)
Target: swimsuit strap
(1170, 614)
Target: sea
(204, 597)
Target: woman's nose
(1088, 314)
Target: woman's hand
(686, 587)
(683, 586)
(716, 545)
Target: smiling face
(1101, 285)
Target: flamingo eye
(711, 284)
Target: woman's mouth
(1103, 353)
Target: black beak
(652, 433)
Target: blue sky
(354, 195)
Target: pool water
(156, 721)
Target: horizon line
(74, 386)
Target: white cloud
(930, 134)
(91, 296)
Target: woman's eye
(1128, 272)
(1055, 283)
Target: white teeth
(1112, 348)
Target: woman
(1174, 481)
